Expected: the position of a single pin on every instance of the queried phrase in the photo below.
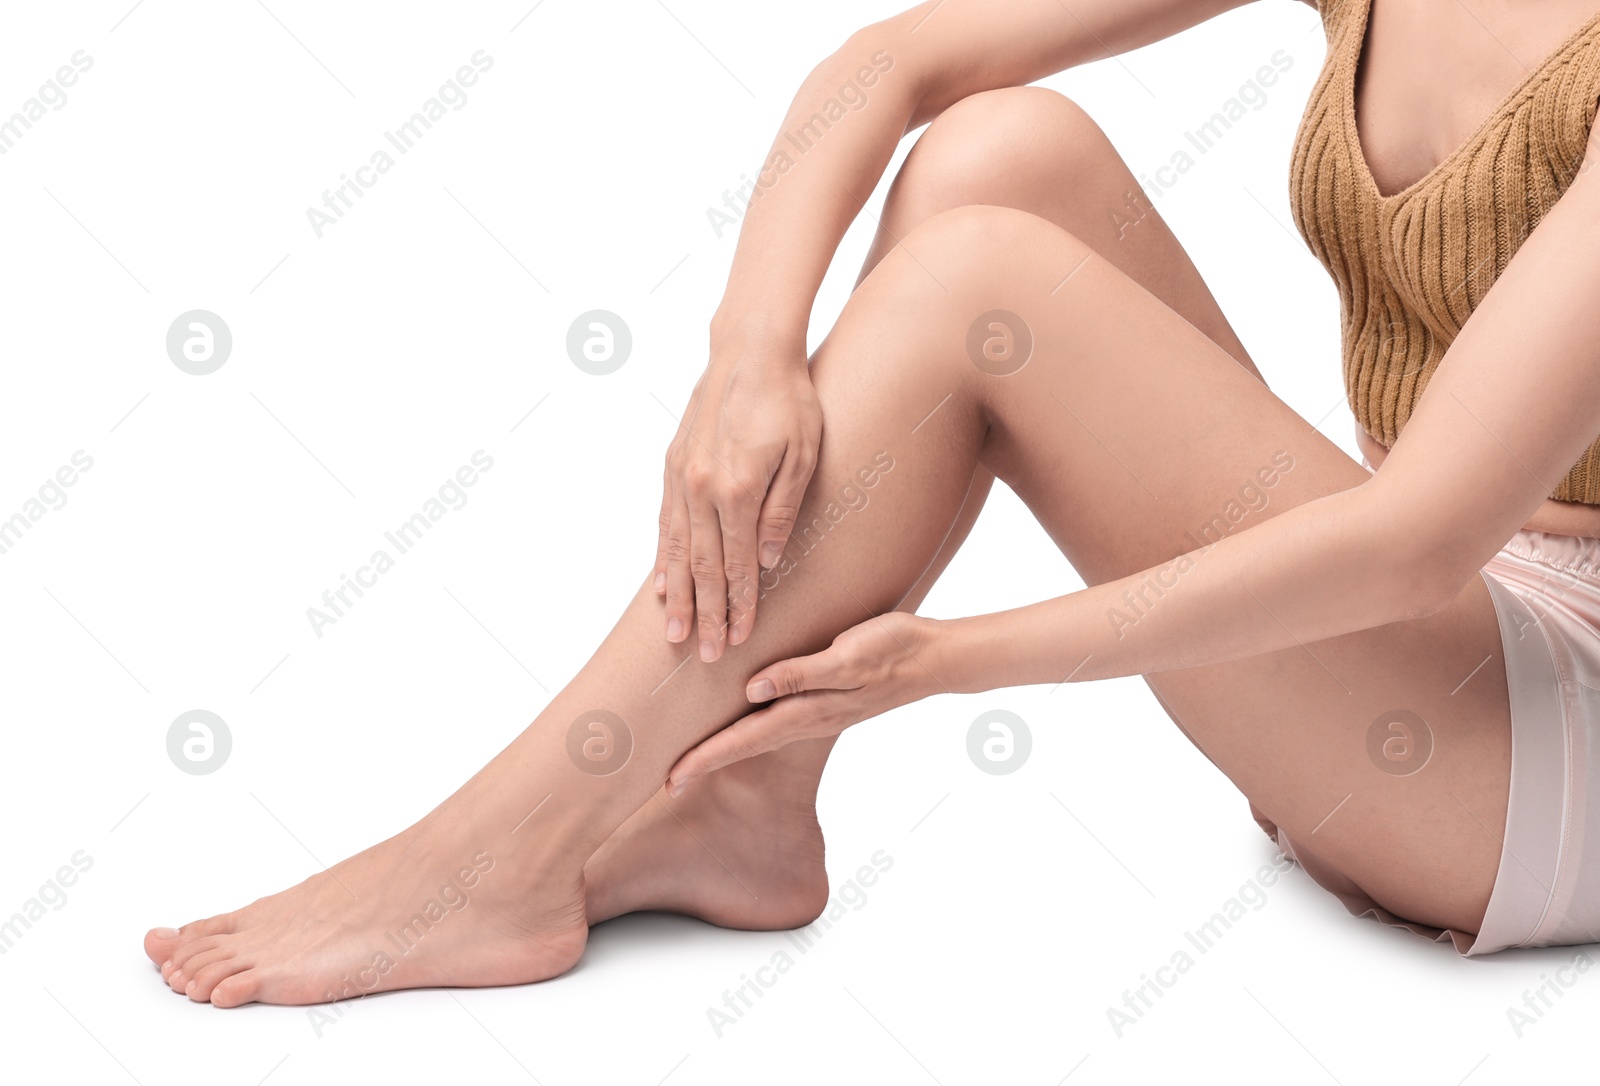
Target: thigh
(1035, 150)
(1134, 438)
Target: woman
(1405, 697)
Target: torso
(1429, 75)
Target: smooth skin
(1129, 427)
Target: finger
(782, 505)
(825, 670)
(680, 585)
(705, 564)
(764, 730)
(673, 545)
(739, 509)
(663, 530)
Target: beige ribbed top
(1411, 266)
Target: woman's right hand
(736, 473)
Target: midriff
(1557, 518)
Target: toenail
(166, 965)
(166, 933)
(190, 987)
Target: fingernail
(708, 651)
(735, 634)
(661, 581)
(762, 690)
(675, 629)
(675, 788)
(166, 933)
(770, 553)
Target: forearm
(1319, 570)
(835, 142)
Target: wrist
(955, 656)
(735, 334)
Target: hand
(869, 669)
(736, 473)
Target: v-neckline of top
(1506, 102)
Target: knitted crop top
(1412, 265)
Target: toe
(197, 963)
(209, 976)
(160, 942)
(238, 988)
(194, 948)
(180, 969)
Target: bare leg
(743, 849)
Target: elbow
(1427, 582)
(1419, 569)
(866, 56)
(876, 63)
(869, 39)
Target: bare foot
(429, 907)
(451, 903)
(741, 848)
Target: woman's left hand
(869, 669)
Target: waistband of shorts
(1577, 555)
(1536, 812)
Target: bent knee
(978, 244)
(1004, 145)
(959, 271)
(963, 300)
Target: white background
(370, 363)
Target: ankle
(765, 782)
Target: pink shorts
(1546, 591)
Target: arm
(743, 455)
